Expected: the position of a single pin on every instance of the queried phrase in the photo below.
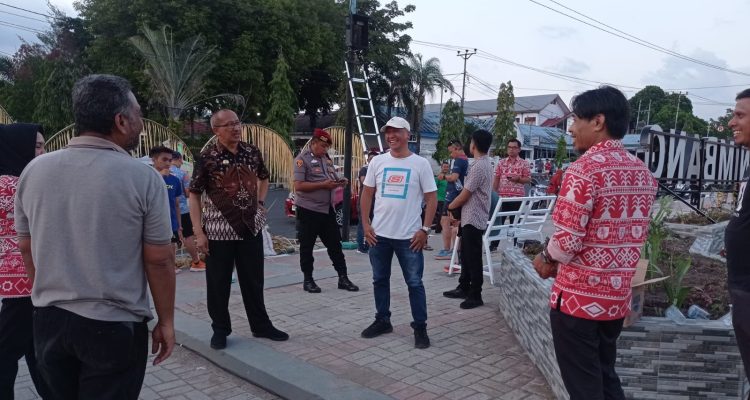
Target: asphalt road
(278, 222)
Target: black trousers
(472, 274)
(247, 256)
(81, 358)
(586, 352)
(741, 321)
(505, 207)
(16, 341)
(310, 226)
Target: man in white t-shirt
(400, 181)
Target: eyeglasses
(232, 124)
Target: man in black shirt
(737, 238)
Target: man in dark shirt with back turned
(227, 223)
(737, 238)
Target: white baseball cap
(396, 122)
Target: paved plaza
(474, 355)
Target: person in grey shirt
(92, 252)
(474, 205)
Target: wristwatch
(262, 202)
(547, 258)
(425, 229)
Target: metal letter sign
(679, 157)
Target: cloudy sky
(526, 33)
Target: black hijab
(17, 147)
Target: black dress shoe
(346, 284)
(218, 341)
(273, 334)
(310, 286)
(471, 303)
(377, 328)
(421, 340)
(456, 293)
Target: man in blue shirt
(455, 184)
(188, 238)
(162, 159)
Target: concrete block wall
(657, 359)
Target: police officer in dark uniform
(315, 180)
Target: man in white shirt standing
(401, 181)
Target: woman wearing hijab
(19, 144)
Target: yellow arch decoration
(277, 154)
(338, 134)
(153, 134)
(5, 118)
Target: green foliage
(281, 114)
(177, 71)
(664, 109)
(561, 155)
(451, 127)
(243, 32)
(423, 77)
(504, 128)
(54, 108)
(723, 122)
(676, 293)
(657, 233)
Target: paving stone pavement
(183, 376)
(474, 355)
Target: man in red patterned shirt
(601, 220)
(511, 174)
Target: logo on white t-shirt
(396, 182)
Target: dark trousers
(586, 352)
(81, 358)
(741, 322)
(472, 274)
(16, 341)
(247, 256)
(505, 207)
(310, 226)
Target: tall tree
(178, 71)
(504, 128)
(451, 127)
(423, 78)
(561, 155)
(283, 101)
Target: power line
(27, 10)
(489, 56)
(21, 27)
(634, 39)
(22, 16)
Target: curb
(272, 370)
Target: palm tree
(423, 78)
(177, 71)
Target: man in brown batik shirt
(230, 181)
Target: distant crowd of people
(78, 258)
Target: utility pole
(648, 113)
(638, 116)
(465, 55)
(679, 95)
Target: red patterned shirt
(13, 279)
(601, 220)
(507, 168)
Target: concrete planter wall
(657, 359)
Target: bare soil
(706, 278)
(693, 218)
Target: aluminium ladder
(363, 95)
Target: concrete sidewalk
(473, 355)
